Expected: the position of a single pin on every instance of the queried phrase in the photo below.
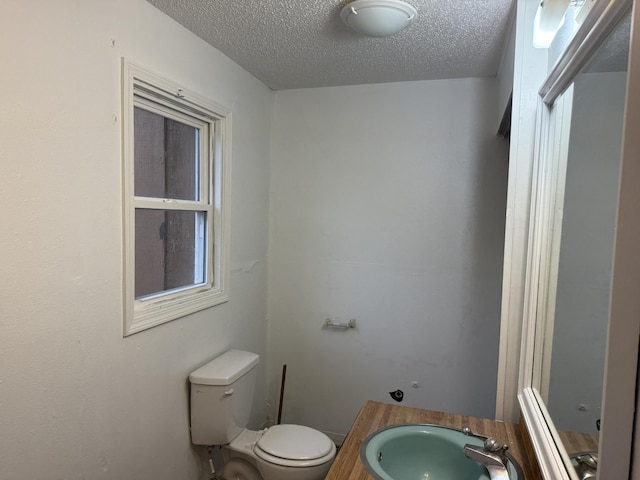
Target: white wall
(78, 401)
(388, 205)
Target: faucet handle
(589, 459)
(467, 431)
(492, 445)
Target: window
(175, 178)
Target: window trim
(140, 86)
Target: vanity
(374, 416)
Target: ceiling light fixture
(378, 18)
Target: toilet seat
(294, 446)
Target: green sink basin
(420, 452)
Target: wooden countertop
(375, 415)
(576, 442)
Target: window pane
(170, 250)
(166, 156)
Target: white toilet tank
(222, 397)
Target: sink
(419, 452)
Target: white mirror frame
(624, 327)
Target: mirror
(582, 236)
(574, 215)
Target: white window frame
(143, 88)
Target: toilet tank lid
(225, 369)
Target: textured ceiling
(303, 43)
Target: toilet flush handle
(228, 392)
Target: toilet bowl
(221, 398)
(240, 469)
(282, 452)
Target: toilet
(221, 402)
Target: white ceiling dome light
(378, 18)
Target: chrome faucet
(587, 467)
(492, 455)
